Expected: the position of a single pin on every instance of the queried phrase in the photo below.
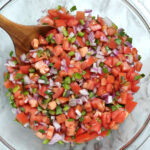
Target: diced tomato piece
(95, 126)
(122, 76)
(98, 34)
(116, 85)
(69, 139)
(115, 71)
(80, 15)
(56, 61)
(59, 38)
(95, 27)
(35, 43)
(125, 67)
(88, 106)
(65, 16)
(66, 45)
(87, 63)
(101, 91)
(118, 116)
(43, 89)
(72, 22)
(53, 13)
(89, 85)
(71, 113)
(81, 43)
(134, 87)
(61, 118)
(127, 50)
(123, 98)
(47, 20)
(83, 51)
(87, 74)
(50, 132)
(53, 31)
(100, 20)
(121, 57)
(115, 61)
(25, 69)
(80, 131)
(110, 79)
(111, 31)
(106, 119)
(138, 66)
(103, 81)
(109, 61)
(63, 100)
(112, 44)
(58, 92)
(109, 88)
(60, 22)
(75, 87)
(52, 105)
(104, 133)
(42, 40)
(8, 84)
(57, 50)
(130, 105)
(22, 118)
(98, 104)
(85, 137)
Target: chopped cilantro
(118, 41)
(73, 8)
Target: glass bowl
(27, 12)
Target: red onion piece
(23, 57)
(88, 11)
(72, 102)
(108, 21)
(78, 56)
(109, 100)
(104, 39)
(128, 44)
(91, 37)
(84, 92)
(57, 137)
(56, 125)
(116, 52)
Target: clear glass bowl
(27, 12)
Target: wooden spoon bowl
(22, 35)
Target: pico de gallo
(77, 82)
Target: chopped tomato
(72, 22)
(61, 118)
(98, 104)
(118, 116)
(63, 100)
(110, 79)
(75, 87)
(47, 20)
(87, 63)
(60, 23)
(112, 44)
(25, 69)
(57, 50)
(106, 119)
(138, 66)
(130, 105)
(8, 84)
(59, 38)
(66, 45)
(80, 131)
(71, 113)
(89, 85)
(22, 118)
(80, 15)
(58, 92)
(42, 40)
(42, 90)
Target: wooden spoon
(22, 35)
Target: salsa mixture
(78, 81)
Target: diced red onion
(99, 138)
(47, 62)
(39, 86)
(51, 82)
(84, 92)
(61, 11)
(83, 39)
(78, 56)
(52, 117)
(120, 30)
(104, 96)
(130, 59)
(93, 44)
(14, 111)
(95, 90)
(98, 48)
(84, 98)
(23, 57)
(109, 100)
(91, 37)
(94, 70)
(79, 101)
(88, 30)
(77, 43)
(109, 69)
(10, 63)
(43, 124)
(128, 44)
(58, 84)
(11, 77)
(72, 102)
(97, 114)
(79, 28)
(108, 21)
(78, 112)
(116, 52)
(88, 11)
(53, 71)
(41, 81)
(26, 100)
(75, 29)
(83, 127)
(105, 31)
(86, 24)
(57, 137)
(104, 39)
(27, 79)
(71, 34)
(26, 125)
(34, 55)
(56, 125)
(60, 29)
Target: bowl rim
(140, 16)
